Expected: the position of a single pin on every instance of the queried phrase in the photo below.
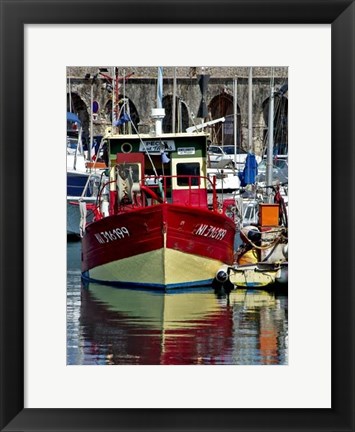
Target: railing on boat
(192, 188)
(158, 190)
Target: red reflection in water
(118, 340)
(181, 329)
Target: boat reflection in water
(122, 326)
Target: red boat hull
(162, 246)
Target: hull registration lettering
(112, 235)
(209, 231)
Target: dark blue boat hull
(76, 184)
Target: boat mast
(69, 90)
(174, 101)
(235, 82)
(113, 97)
(116, 94)
(270, 146)
(250, 115)
(91, 118)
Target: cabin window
(188, 169)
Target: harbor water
(117, 326)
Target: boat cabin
(170, 168)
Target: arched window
(77, 106)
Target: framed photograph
(52, 377)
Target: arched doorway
(77, 106)
(181, 115)
(280, 123)
(222, 105)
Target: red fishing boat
(157, 223)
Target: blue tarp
(72, 117)
(248, 176)
(123, 119)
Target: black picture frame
(14, 15)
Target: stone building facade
(134, 90)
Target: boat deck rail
(159, 189)
(195, 189)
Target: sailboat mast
(117, 108)
(235, 108)
(91, 119)
(69, 90)
(113, 97)
(250, 114)
(174, 101)
(270, 146)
